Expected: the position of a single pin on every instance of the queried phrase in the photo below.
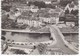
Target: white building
(47, 2)
(29, 22)
(50, 20)
(23, 8)
(14, 15)
(70, 24)
(34, 8)
(17, 14)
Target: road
(60, 44)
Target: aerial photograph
(39, 27)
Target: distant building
(70, 24)
(14, 15)
(23, 8)
(55, 2)
(34, 8)
(47, 2)
(54, 20)
(25, 20)
(71, 7)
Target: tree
(42, 48)
(6, 24)
(76, 12)
(72, 11)
(67, 11)
(3, 38)
(40, 4)
(3, 33)
(6, 8)
(64, 3)
(14, 25)
(17, 51)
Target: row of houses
(39, 19)
(29, 22)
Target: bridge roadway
(60, 43)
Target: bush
(41, 48)
(6, 8)
(64, 3)
(7, 24)
(74, 12)
(3, 33)
(51, 38)
(24, 26)
(17, 51)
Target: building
(50, 20)
(31, 23)
(23, 8)
(33, 8)
(71, 6)
(55, 2)
(47, 2)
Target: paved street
(60, 44)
